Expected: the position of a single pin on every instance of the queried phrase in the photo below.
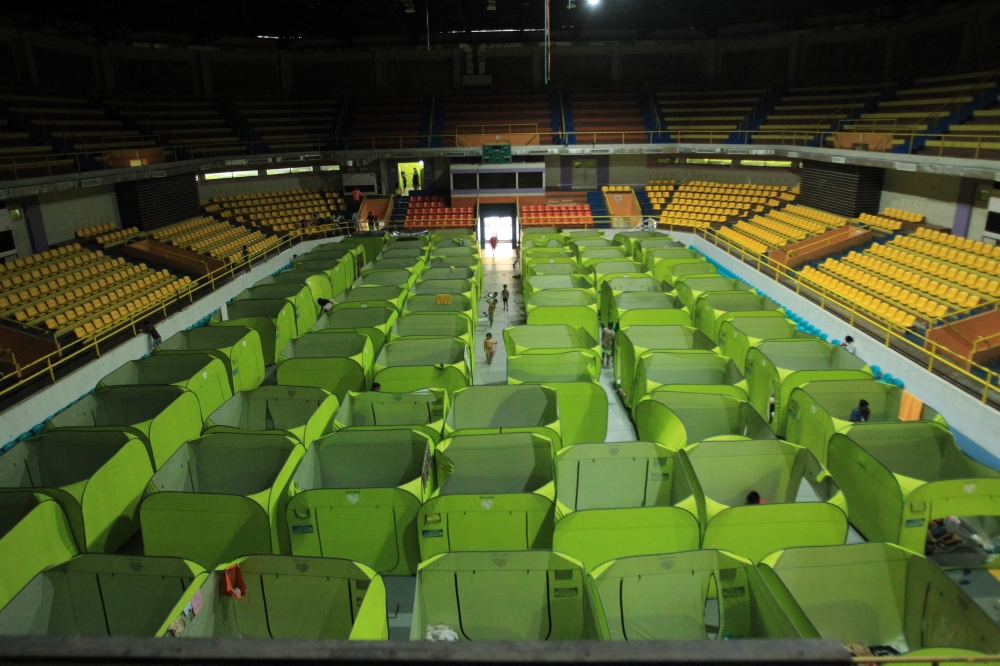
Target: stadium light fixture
(593, 3)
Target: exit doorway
(584, 174)
(498, 220)
(410, 176)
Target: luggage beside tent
(421, 410)
(737, 336)
(304, 412)
(665, 597)
(679, 418)
(774, 368)
(221, 496)
(273, 319)
(800, 503)
(494, 492)
(409, 364)
(238, 347)
(34, 535)
(904, 480)
(623, 499)
(96, 477)
(634, 340)
(331, 360)
(202, 374)
(511, 596)
(162, 417)
(375, 322)
(357, 496)
(103, 595)
(878, 595)
(697, 371)
(299, 295)
(819, 409)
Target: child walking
(490, 347)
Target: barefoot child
(490, 347)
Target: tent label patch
(431, 534)
(914, 522)
(302, 529)
(734, 591)
(566, 591)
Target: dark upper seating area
(286, 125)
(608, 116)
(194, 127)
(378, 121)
(521, 114)
(705, 116)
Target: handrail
(829, 117)
(893, 333)
(68, 353)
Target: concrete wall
(933, 195)
(65, 212)
(42, 405)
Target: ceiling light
(593, 3)
(491, 5)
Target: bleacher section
(706, 116)
(379, 121)
(521, 113)
(428, 211)
(286, 125)
(700, 203)
(558, 215)
(212, 238)
(277, 211)
(70, 289)
(804, 113)
(194, 127)
(608, 116)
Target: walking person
(416, 179)
(491, 309)
(490, 347)
(493, 244)
(356, 193)
(403, 178)
(505, 295)
(607, 346)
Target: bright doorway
(405, 179)
(497, 220)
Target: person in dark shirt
(861, 413)
(154, 335)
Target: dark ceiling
(346, 23)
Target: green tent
(331, 360)
(774, 368)
(653, 256)
(433, 287)
(434, 325)
(578, 234)
(221, 496)
(299, 295)
(633, 341)
(543, 234)
(272, 318)
(692, 595)
(474, 262)
(34, 535)
(409, 364)
(317, 281)
(629, 239)
(583, 407)
(505, 596)
(408, 242)
(494, 492)
(715, 308)
(903, 479)
(412, 264)
(202, 374)
(615, 287)
(498, 409)
(386, 277)
(375, 322)
(533, 243)
(697, 371)
(550, 338)
(590, 255)
(421, 411)
(337, 247)
(552, 353)
(644, 245)
(820, 408)
(691, 287)
(103, 595)
(374, 295)
(555, 268)
(458, 236)
(372, 242)
(238, 347)
(577, 245)
(623, 499)
(341, 271)
(580, 317)
(96, 477)
(162, 417)
(878, 595)
(699, 268)
(654, 317)
(459, 251)
(679, 418)
(289, 597)
(449, 273)
(304, 412)
(625, 307)
(801, 504)
(403, 253)
(561, 298)
(531, 254)
(606, 270)
(357, 494)
(549, 261)
(447, 304)
(557, 281)
(737, 336)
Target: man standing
(403, 177)
(607, 346)
(416, 179)
(505, 295)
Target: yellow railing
(73, 351)
(892, 333)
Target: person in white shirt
(849, 345)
